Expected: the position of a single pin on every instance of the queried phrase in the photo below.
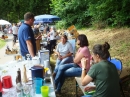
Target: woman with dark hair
(103, 72)
(64, 51)
(73, 69)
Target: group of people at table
(103, 72)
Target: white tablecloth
(11, 68)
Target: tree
(71, 11)
(13, 10)
(95, 12)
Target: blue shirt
(25, 33)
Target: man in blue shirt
(26, 36)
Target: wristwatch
(83, 69)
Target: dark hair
(28, 16)
(65, 37)
(83, 40)
(102, 50)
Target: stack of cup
(46, 64)
(47, 68)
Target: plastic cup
(44, 91)
(7, 82)
(46, 64)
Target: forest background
(81, 13)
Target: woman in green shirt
(103, 72)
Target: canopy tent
(46, 18)
(4, 22)
(22, 21)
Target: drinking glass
(28, 56)
(19, 89)
(26, 90)
(28, 61)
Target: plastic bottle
(25, 80)
(19, 84)
(18, 77)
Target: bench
(78, 84)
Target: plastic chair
(73, 43)
(118, 65)
(109, 59)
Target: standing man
(15, 32)
(26, 36)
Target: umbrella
(4, 22)
(46, 18)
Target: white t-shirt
(52, 35)
(64, 49)
(15, 29)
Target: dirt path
(3, 57)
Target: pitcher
(38, 83)
(37, 72)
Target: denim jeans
(61, 62)
(66, 70)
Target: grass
(119, 40)
(2, 43)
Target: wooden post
(38, 47)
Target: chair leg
(76, 88)
(122, 90)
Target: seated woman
(73, 69)
(64, 51)
(103, 72)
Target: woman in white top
(64, 51)
(52, 37)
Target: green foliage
(99, 13)
(61, 24)
(82, 13)
(14, 10)
(71, 11)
